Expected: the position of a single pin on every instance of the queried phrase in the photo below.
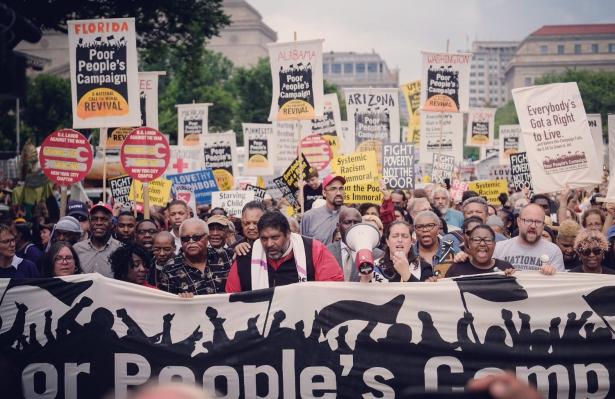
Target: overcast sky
(399, 29)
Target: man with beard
(94, 252)
(343, 254)
(529, 251)
(566, 234)
(320, 223)
(442, 201)
(280, 257)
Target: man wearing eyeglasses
(320, 223)
(524, 252)
(199, 270)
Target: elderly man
(320, 223)
(340, 250)
(442, 201)
(419, 205)
(94, 252)
(529, 251)
(288, 257)
(164, 253)
(199, 270)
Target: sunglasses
(588, 251)
(195, 238)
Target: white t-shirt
(525, 256)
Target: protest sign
(297, 170)
(231, 201)
(441, 133)
(480, 127)
(185, 159)
(497, 172)
(120, 189)
(557, 138)
(399, 339)
(103, 73)
(287, 193)
(490, 189)
(259, 193)
(317, 150)
(66, 157)
(296, 74)
(329, 125)
(145, 154)
(220, 155)
(510, 142)
(445, 83)
(192, 123)
(398, 165)
(492, 150)
(362, 178)
(443, 166)
(457, 189)
(257, 138)
(412, 95)
(183, 192)
(159, 191)
(286, 142)
(201, 182)
(373, 116)
(520, 171)
(595, 127)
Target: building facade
(557, 48)
(487, 78)
(350, 69)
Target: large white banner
(221, 156)
(595, 127)
(192, 123)
(373, 119)
(441, 133)
(258, 148)
(103, 73)
(296, 73)
(556, 135)
(510, 142)
(480, 127)
(445, 83)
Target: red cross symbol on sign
(180, 165)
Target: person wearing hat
(218, 230)
(79, 211)
(320, 223)
(94, 252)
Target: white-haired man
(442, 200)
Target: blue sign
(202, 183)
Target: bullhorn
(363, 238)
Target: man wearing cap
(94, 252)
(79, 211)
(320, 223)
(67, 229)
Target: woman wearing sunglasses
(591, 247)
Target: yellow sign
(360, 169)
(490, 189)
(412, 95)
(159, 191)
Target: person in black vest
(280, 257)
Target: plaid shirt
(179, 276)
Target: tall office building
(487, 79)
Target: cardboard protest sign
(497, 172)
(445, 83)
(520, 171)
(159, 191)
(259, 193)
(145, 154)
(362, 178)
(231, 201)
(103, 73)
(480, 127)
(184, 193)
(329, 126)
(457, 189)
(317, 150)
(120, 189)
(398, 165)
(296, 73)
(595, 127)
(510, 142)
(287, 192)
(441, 133)
(373, 116)
(192, 123)
(185, 159)
(220, 155)
(412, 95)
(294, 172)
(557, 138)
(443, 166)
(286, 142)
(66, 157)
(257, 138)
(490, 189)
(201, 182)
(492, 150)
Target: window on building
(611, 47)
(381, 68)
(472, 74)
(528, 81)
(560, 49)
(544, 49)
(472, 91)
(336, 68)
(359, 68)
(577, 49)
(348, 68)
(481, 91)
(594, 47)
(481, 74)
(481, 66)
(325, 68)
(372, 67)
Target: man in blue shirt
(442, 200)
